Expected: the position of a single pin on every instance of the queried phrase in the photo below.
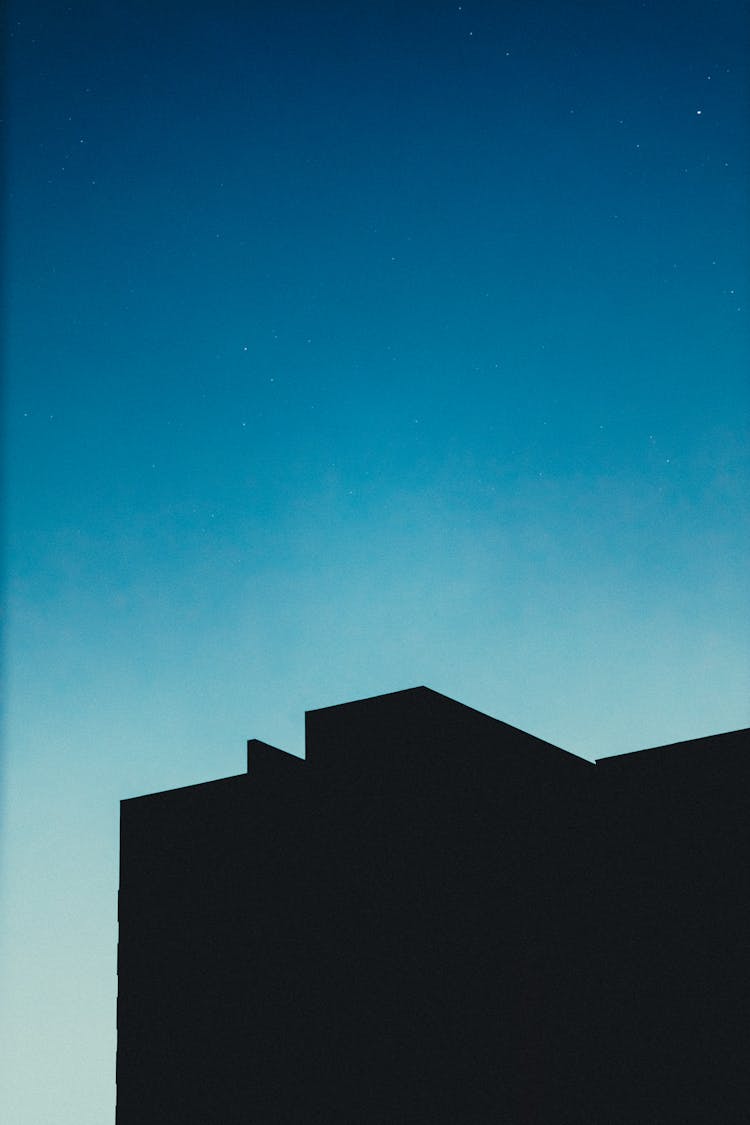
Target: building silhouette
(437, 917)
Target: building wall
(433, 917)
(676, 968)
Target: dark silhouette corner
(436, 917)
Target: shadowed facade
(437, 917)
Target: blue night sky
(351, 346)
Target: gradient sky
(351, 346)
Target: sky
(349, 347)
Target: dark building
(437, 917)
